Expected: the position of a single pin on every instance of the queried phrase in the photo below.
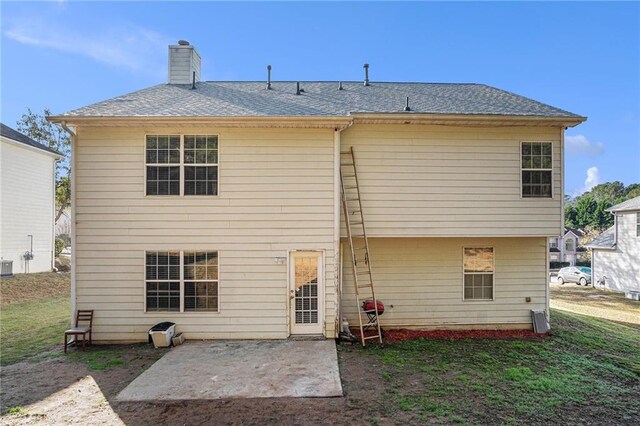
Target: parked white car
(580, 275)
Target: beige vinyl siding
(421, 180)
(420, 281)
(275, 195)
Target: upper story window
(569, 246)
(553, 243)
(537, 169)
(478, 267)
(182, 165)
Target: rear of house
(217, 205)
(616, 252)
(27, 203)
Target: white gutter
(72, 183)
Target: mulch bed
(393, 336)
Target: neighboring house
(217, 205)
(27, 202)
(63, 227)
(567, 248)
(615, 254)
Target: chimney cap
(183, 43)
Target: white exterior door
(306, 290)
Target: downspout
(336, 224)
(561, 233)
(72, 182)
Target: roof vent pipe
(406, 107)
(340, 86)
(298, 88)
(268, 77)
(193, 82)
(366, 74)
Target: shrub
(60, 244)
(583, 263)
(558, 265)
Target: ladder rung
(365, 286)
(350, 187)
(363, 273)
(349, 175)
(360, 248)
(377, 336)
(347, 164)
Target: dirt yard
(596, 303)
(522, 379)
(424, 381)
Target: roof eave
(590, 247)
(467, 119)
(241, 121)
(325, 121)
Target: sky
(581, 57)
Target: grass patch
(99, 359)
(17, 410)
(587, 367)
(34, 314)
(30, 328)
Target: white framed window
(162, 281)
(162, 154)
(553, 243)
(478, 273)
(537, 169)
(183, 165)
(181, 281)
(569, 245)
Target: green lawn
(29, 328)
(587, 371)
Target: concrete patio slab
(240, 369)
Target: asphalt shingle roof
(8, 132)
(604, 240)
(632, 204)
(219, 99)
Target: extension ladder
(359, 244)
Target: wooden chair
(80, 330)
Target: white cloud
(593, 178)
(130, 47)
(580, 145)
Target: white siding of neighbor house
(26, 205)
(621, 265)
(420, 282)
(275, 194)
(436, 181)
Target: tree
(48, 134)
(610, 191)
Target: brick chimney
(184, 60)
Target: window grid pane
(160, 268)
(201, 296)
(478, 264)
(537, 167)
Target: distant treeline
(588, 211)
